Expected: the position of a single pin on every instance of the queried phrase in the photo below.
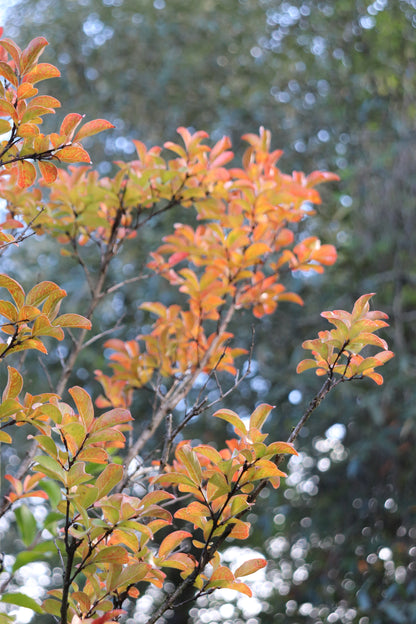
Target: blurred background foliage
(335, 82)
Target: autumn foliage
(237, 255)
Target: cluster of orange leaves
(231, 259)
(234, 257)
(21, 113)
(338, 350)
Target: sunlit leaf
(172, 541)
(249, 567)
(22, 600)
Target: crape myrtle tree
(130, 501)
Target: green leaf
(233, 419)
(53, 491)
(190, 460)
(110, 476)
(21, 600)
(40, 552)
(111, 554)
(14, 384)
(259, 415)
(84, 405)
(5, 437)
(51, 467)
(26, 524)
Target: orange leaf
(249, 567)
(69, 124)
(72, 320)
(26, 174)
(172, 541)
(48, 171)
(43, 71)
(84, 405)
(31, 54)
(92, 127)
(73, 153)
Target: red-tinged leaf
(72, 320)
(48, 171)
(177, 257)
(14, 384)
(111, 554)
(7, 72)
(107, 435)
(282, 448)
(109, 478)
(178, 561)
(172, 541)
(111, 617)
(361, 306)
(249, 567)
(42, 71)
(14, 289)
(234, 420)
(259, 415)
(40, 292)
(73, 154)
(114, 417)
(26, 173)
(84, 405)
(69, 124)
(91, 128)
(12, 48)
(45, 100)
(31, 53)
(383, 357)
